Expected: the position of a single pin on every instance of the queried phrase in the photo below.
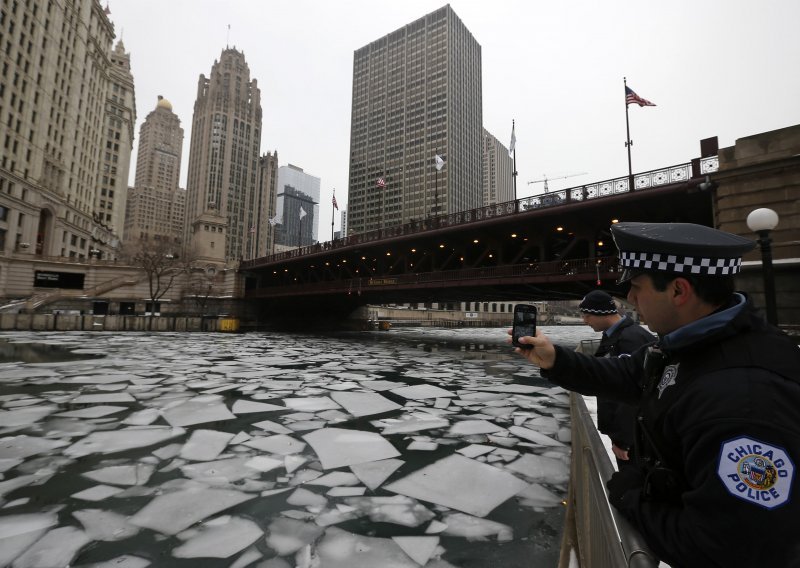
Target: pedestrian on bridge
(621, 337)
(718, 429)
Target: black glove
(624, 488)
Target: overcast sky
(726, 68)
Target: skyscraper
(67, 107)
(264, 235)
(298, 206)
(416, 94)
(498, 180)
(156, 206)
(222, 185)
(158, 159)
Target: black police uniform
(614, 419)
(718, 426)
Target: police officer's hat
(680, 248)
(598, 303)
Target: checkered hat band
(598, 312)
(680, 264)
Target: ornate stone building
(222, 199)
(67, 112)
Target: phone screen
(524, 324)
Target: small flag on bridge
(439, 162)
(302, 212)
(381, 182)
(335, 205)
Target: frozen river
(413, 447)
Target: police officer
(621, 337)
(718, 425)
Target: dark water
(168, 367)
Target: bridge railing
(553, 270)
(599, 190)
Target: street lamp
(762, 221)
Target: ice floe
(460, 483)
(337, 447)
(218, 538)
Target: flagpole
(514, 171)
(628, 141)
(436, 187)
(333, 213)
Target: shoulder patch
(668, 378)
(756, 471)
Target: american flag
(631, 97)
(335, 205)
(381, 183)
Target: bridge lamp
(388, 254)
(513, 235)
(413, 250)
(441, 246)
(614, 221)
(475, 241)
(762, 221)
(559, 229)
(326, 264)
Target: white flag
(513, 143)
(439, 162)
(302, 212)
(275, 220)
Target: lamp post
(762, 221)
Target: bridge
(551, 246)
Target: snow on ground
(240, 449)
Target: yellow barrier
(230, 325)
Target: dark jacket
(718, 439)
(615, 419)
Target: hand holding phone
(524, 324)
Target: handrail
(608, 188)
(594, 530)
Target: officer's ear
(681, 290)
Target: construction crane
(545, 179)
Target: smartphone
(524, 324)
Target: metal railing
(593, 530)
(608, 188)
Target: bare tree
(203, 284)
(160, 261)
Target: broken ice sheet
(121, 440)
(18, 532)
(98, 411)
(205, 445)
(341, 549)
(337, 447)
(473, 528)
(277, 444)
(248, 407)
(105, 525)
(468, 427)
(364, 403)
(536, 495)
(94, 398)
(171, 513)
(287, 536)
(200, 409)
(224, 471)
(419, 548)
(398, 509)
(218, 538)
(310, 403)
(540, 468)
(534, 436)
(133, 474)
(96, 493)
(57, 548)
(25, 416)
(25, 446)
(123, 561)
(410, 423)
(460, 483)
(372, 474)
(420, 392)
